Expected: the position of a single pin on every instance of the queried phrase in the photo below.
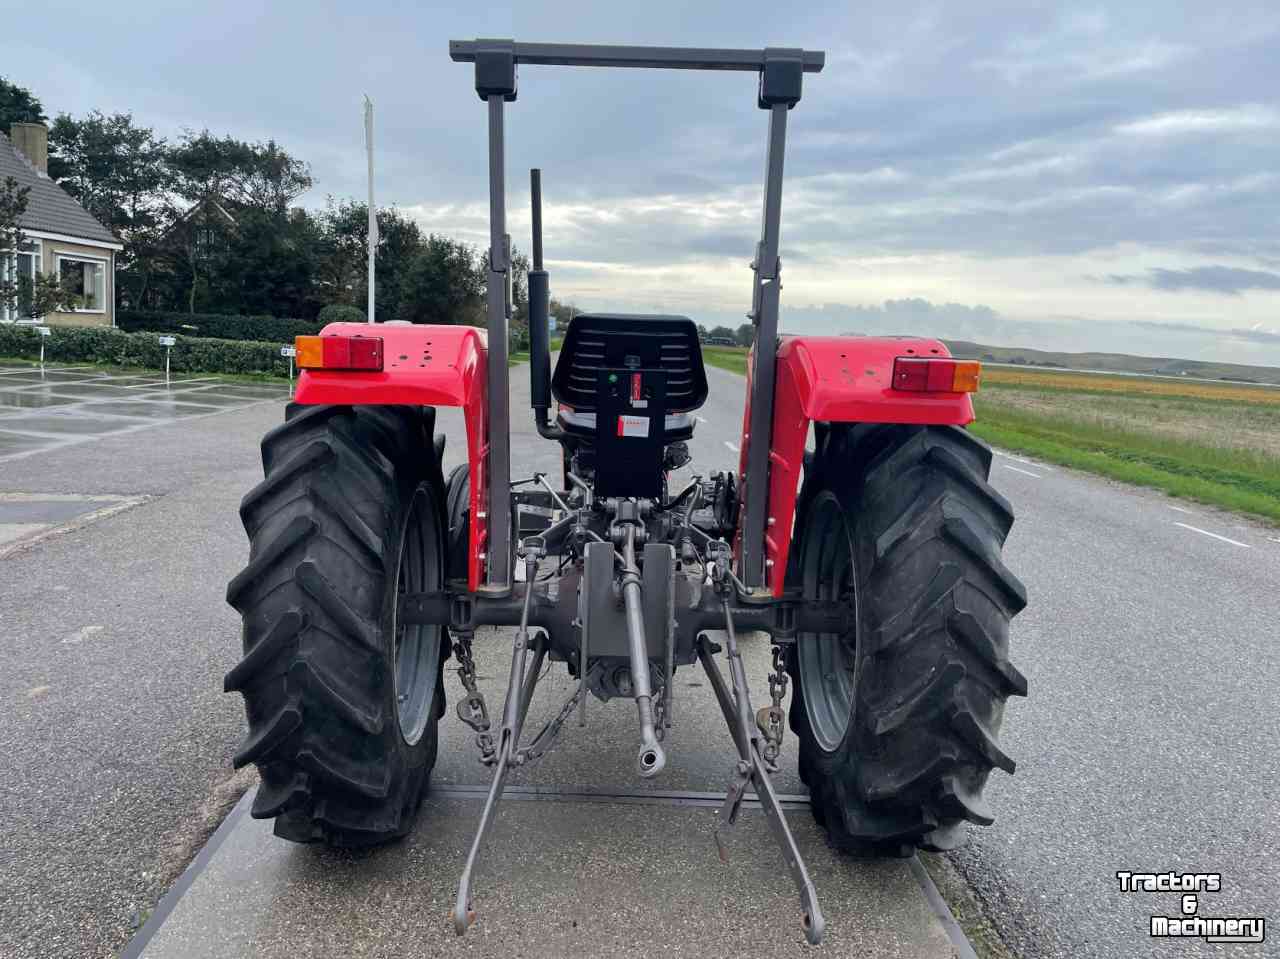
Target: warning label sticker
(633, 426)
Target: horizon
(1097, 180)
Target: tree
(258, 175)
(13, 203)
(18, 105)
(117, 171)
(443, 283)
(563, 312)
(722, 333)
(746, 335)
(46, 293)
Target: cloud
(1216, 279)
(1241, 119)
(1252, 335)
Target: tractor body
(858, 531)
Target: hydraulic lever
(519, 694)
(751, 767)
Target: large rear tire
(898, 718)
(343, 704)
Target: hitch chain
(472, 709)
(770, 718)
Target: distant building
(61, 236)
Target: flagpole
(373, 211)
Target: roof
(50, 209)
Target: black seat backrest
(617, 341)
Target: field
(1217, 443)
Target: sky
(1066, 176)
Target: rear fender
(422, 366)
(833, 379)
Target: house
(61, 236)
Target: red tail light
(936, 374)
(339, 352)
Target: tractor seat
(601, 342)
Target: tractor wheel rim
(417, 647)
(827, 660)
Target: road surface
(1149, 741)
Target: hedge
(263, 328)
(69, 344)
(341, 313)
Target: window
(87, 279)
(24, 266)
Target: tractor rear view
(859, 531)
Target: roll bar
(781, 71)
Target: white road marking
(1205, 532)
(1273, 539)
(1019, 459)
(1181, 510)
(1023, 472)
(732, 446)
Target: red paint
(422, 366)
(635, 387)
(834, 379)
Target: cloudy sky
(1076, 176)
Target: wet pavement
(43, 410)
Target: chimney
(32, 140)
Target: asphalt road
(1149, 741)
(1151, 737)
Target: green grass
(515, 359)
(1062, 430)
(1234, 479)
(731, 358)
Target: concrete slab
(11, 443)
(590, 879)
(266, 391)
(72, 423)
(148, 409)
(10, 532)
(48, 512)
(27, 517)
(192, 396)
(86, 389)
(48, 376)
(23, 400)
(630, 875)
(99, 404)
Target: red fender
(422, 366)
(833, 379)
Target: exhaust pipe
(539, 318)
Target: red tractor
(873, 559)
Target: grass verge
(1227, 478)
(964, 905)
(731, 358)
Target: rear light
(919, 374)
(339, 352)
